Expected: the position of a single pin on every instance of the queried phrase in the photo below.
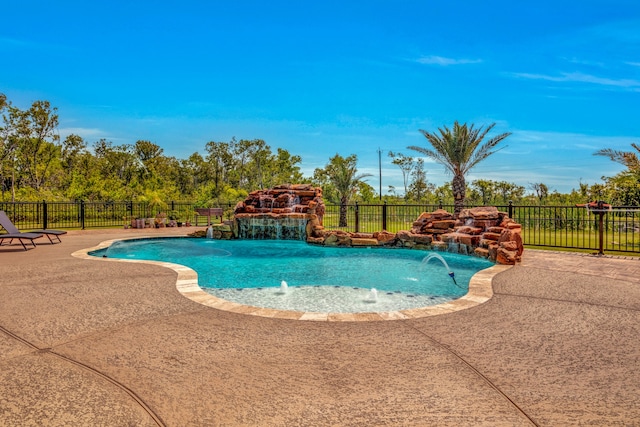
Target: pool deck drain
(480, 291)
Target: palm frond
(433, 155)
(486, 150)
(626, 158)
(615, 155)
(461, 147)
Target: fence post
(82, 214)
(44, 215)
(384, 216)
(601, 233)
(510, 209)
(440, 204)
(173, 205)
(357, 212)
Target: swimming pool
(318, 279)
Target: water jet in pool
(316, 278)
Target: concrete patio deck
(93, 343)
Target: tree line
(36, 164)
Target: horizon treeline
(35, 164)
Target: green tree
(627, 158)
(8, 144)
(444, 194)
(86, 182)
(255, 170)
(509, 191)
(73, 147)
(74, 150)
(365, 193)
(221, 164)
(148, 155)
(118, 166)
(588, 192)
(406, 165)
(157, 173)
(459, 150)
(283, 168)
(419, 188)
(37, 147)
(485, 187)
(191, 174)
(624, 188)
(540, 190)
(342, 174)
(246, 167)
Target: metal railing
(617, 230)
(82, 215)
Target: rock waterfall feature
(288, 212)
(295, 212)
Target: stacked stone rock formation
(284, 199)
(483, 231)
(294, 209)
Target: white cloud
(83, 132)
(89, 135)
(583, 78)
(441, 60)
(586, 62)
(569, 140)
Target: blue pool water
(318, 278)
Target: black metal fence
(617, 230)
(83, 215)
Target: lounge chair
(6, 223)
(21, 237)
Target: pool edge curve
(480, 291)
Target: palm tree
(459, 151)
(342, 173)
(627, 158)
(624, 188)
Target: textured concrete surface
(87, 342)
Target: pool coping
(480, 291)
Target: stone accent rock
(481, 212)
(424, 239)
(285, 211)
(385, 238)
(223, 231)
(482, 231)
(481, 252)
(491, 235)
(404, 236)
(362, 241)
(283, 199)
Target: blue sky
(320, 78)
